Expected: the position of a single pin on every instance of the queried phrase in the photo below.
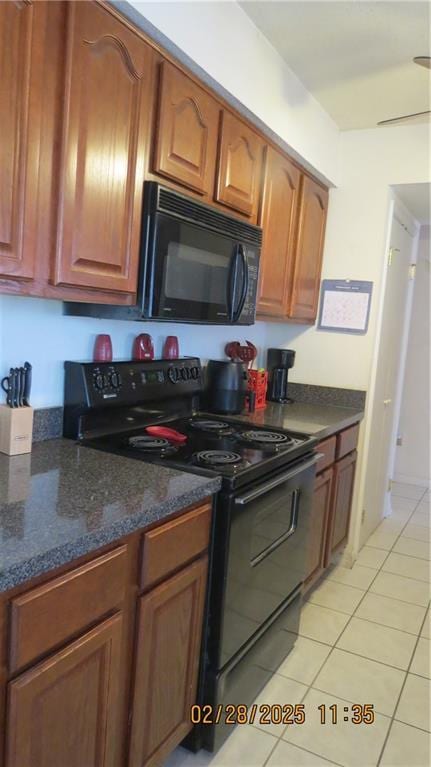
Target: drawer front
(168, 547)
(347, 441)
(47, 616)
(327, 448)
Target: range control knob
(173, 375)
(194, 372)
(98, 381)
(115, 380)
(183, 373)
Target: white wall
(412, 461)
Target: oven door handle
(267, 486)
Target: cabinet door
(239, 167)
(187, 131)
(64, 711)
(318, 527)
(167, 660)
(106, 110)
(20, 25)
(309, 251)
(278, 219)
(344, 478)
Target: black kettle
(226, 386)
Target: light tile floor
(364, 638)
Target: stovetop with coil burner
(214, 444)
(109, 406)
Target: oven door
(198, 275)
(266, 553)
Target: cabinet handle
(387, 402)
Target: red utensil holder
(258, 382)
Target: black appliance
(279, 362)
(197, 265)
(261, 514)
(226, 383)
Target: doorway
(392, 344)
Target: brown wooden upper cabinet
(107, 90)
(21, 35)
(278, 220)
(307, 266)
(186, 132)
(239, 166)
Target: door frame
(405, 218)
(396, 209)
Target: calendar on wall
(345, 306)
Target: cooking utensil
(171, 349)
(166, 433)
(143, 347)
(102, 348)
(27, 383)
(236, 352)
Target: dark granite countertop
(64, 500)
(307, 418)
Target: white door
(392, 344)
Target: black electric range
(259, 543)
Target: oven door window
(191, 272)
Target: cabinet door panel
(107, 81)
(168, 645)
(239, 169)
(278, 220)
(64, 711)
(309, 251)
(318, 526)
(344, 478)
(187, 129)
(18, 23)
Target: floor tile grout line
(350, 618)
(400, 694)
(307, 750)
(385, 625)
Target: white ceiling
(355, 57)
(417, 199)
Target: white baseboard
(425, 482)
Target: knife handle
(27, 385)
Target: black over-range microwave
(197, 265)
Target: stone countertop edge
(17, 574)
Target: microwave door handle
(244, 289)
(231, 283)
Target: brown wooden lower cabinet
(71, 695)
(64, 712)
(332, 504)
(320, 515)
(168, 640)
(344, 477)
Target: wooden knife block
(16, 430)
